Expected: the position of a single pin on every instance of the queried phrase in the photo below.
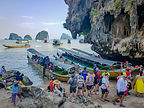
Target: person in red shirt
(51, 84)
(128, 72)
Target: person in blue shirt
(121, 88)
(15, 89)
(84, 73)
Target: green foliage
(84, 32)
(117, 5)
(75, 18)
(128, 5)
(94, 12)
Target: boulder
(42, 35)
(28, 37)
(65, 36)
(14, 36)
(37, 98)
(26, 81)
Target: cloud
(28, 25)
(27, 17)
(51, 23)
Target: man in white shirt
(121, 88)
(105, 88)
(3, 71)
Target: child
(15, 89)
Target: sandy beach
(131, 101)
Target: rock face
(65, 36)
(37, 98)
(28, 37)
(11, 77)
(42, 35)
(115, 28)
(14, 36)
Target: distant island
(42, 35)
(28, 37)
(14, 36)
(65, 36)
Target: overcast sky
(32, 16)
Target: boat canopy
(53, 61)
(82, 51)
(90, 58)
(33, 51)
(22, 39)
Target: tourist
(3, 71)
(51, 85)
(128, 72)
(84, 73)
(129, 84)
(41, 61)
(89, 82)
(47, 61)
(73, 81)
(96, 81)
(19, 78)
(105, 87)
(80, 83)
(15, 92)
(139, 84)
(105, 72)
(57, 88)
(121, 87)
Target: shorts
(95, 82)
(80, 87)
(72, 89)
(89, 87)
(104, 91)
(14, 97)
(120, 94)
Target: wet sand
(131, 100)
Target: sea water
(16, 58)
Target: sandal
(114, 103)
(106, 100)
(122, 105)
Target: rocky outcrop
(115, 28)
(14, 36)
(11, 77)
(37, 98)
(65, 36)
(28, 37)
(42, 35)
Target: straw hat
(56, 82)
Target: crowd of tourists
(85, 84)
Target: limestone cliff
(28, 37)
(115, 28)
(14, 36)
(42, 35)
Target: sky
(32, 16)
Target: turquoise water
(16, 58)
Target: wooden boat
(59, 66)
(18, 46)
(113, 67)
(22, 41)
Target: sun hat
(56, 82)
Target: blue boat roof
(55, 62)
(93, 59)
(22, 39)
